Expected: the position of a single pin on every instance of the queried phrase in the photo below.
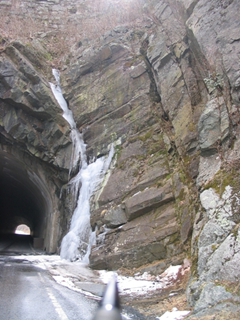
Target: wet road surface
(16, 244)
(28, 292)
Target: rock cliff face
(163, 85)
(35, 146)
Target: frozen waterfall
(79, 148)
(78, 241)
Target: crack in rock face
(159, 80)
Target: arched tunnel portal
(25, 199)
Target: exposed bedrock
(35, 148)
(165, 90)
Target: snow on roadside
(175, 314)
(66, 273)
(141, 284)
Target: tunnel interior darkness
(21, 197)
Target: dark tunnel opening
(22, 199)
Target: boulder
(114, 217)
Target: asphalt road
(16, 244)
(28, 292)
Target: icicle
(78, 241)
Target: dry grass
(61, 30)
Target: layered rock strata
(165, 89)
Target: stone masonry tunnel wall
(26, 197)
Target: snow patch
(66, 273)
(174, 315)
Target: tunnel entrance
(24, 198)
(23, 229)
